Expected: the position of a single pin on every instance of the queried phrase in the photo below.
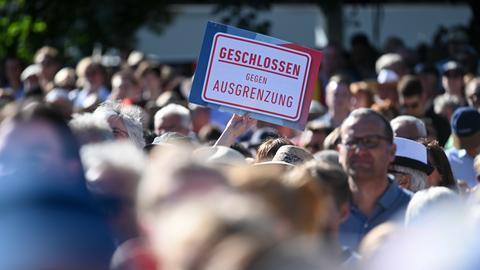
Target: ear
(391, 152)
(404, 181)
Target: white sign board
(256, 76)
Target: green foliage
(74, 26)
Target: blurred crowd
(110, 167)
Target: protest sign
(241, 71)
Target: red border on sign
(302, 95)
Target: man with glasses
(452, 79)
(365, 152)
(413, 101)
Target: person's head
(13, 69)
(393, 62)
(295, 198)
(58, 98)
(335, 181)
(442, 172)
(31, 78)
(150, 77)
(445, 105)
(410, 167)
(314, 136)
(113, 170)
(200, 117)
(266, 151)
(47, 224)
(37, 139)
(173, 118)
(452, 78)
(429, 78)
(173, 175)
(49, 60)
(472, 92)
(125, 121)
(387, 81)
(126, 86)
(466, 129)
(411, 96)
(366, 147)
(90, 129)
(65, 79)
(363, 94)
(409, 127)
(332, 140)
(426, 203)
(90, 73)
(338, 96)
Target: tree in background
(75, 26)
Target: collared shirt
(79, 96)
(462, 166)
(391, 204)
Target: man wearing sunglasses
(365, 152)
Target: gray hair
(442, 102)
(174, 109)
(431, 200)
(387, 60)
(130, 115)
(90, 129)
(419, 178)
(419, 124)
(122, 155)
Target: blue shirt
(393, 202)
(462, 166)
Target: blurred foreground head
(35, 139)
(46, 225)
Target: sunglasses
(368, 142)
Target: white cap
(386, 76)
(411, 154)
(31, 70)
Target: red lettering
(289, 68)
(244, 56)
(215, 86)
(296, 70)
(237, 56)
(274, 64)
(223, 52)
(282, 66)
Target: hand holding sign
(237, 125)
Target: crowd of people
(110, 167)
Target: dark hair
(341, 78)
(364, 112)
(266, 150)
(333, 177)
(242, 149)
(410, 86)
(440, 162)
(40, 112)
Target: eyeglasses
(119, 133)
(369, 142)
